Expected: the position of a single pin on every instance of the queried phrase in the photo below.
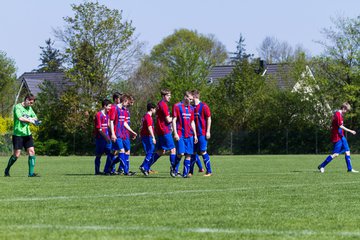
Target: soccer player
(163, 129)
(117, 148)
(184, 133)
(102, 134)
(147, 137)
(22, 138)
(203, 126)
(126, 101)
(337, 137)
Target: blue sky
(26, 24)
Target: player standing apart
(337, 137)
(203, 125)
(163, 129)
(184, 133)
(22, 138)
(148, 138)
(102, 135)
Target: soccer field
(248, 197)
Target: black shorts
(22, 142)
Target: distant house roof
(32, 81)
(218, 72)
(280, 73)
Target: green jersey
(22, 129)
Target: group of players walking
(189, 126)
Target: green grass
(248, 197)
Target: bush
(51, 147)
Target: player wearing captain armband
(22, 138)
(337, 137)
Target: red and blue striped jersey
(101, 121)
(184, 116)
(202, 113)
(162, 126)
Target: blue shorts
(165, 142)
(117, 145)
(126, 144)
(185, 146)
(201, 145)
(341, 146)
(101, 146)
(148, 144)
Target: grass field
(248, 197)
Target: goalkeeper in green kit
(22, 138)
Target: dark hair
(105, 102)
(30, 97)
(116, 95)
(124, 97)
(150, 106)
(195, 93)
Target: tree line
(251, 113)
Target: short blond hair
(346, 106)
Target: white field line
(27, 199)
(292, 233)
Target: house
(31, 81)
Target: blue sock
(127, 164)
(192, 163)
(348, 162)
(108, 164)
(172, 159)
(97, 164)
(198, 162)
(154, 158)
(122, 162)
(186, 167)
(147, 161)
(177, 163)
(206, 159)
(326, 162)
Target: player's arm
(194, 130)
(169, 119)
(151, 131)
(348, 130)
(208, 127)
(104, 135)
(112, 131)
(126, 125)
(176, 136)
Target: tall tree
(240, 53)
(7, 84)
(51, 58)
(274, 51)
(339, 64)
(111, 37)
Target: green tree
(51, 58)
(7, 84)
(240, 52)
(111, 38)
(338, 67)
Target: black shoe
(34, 175)
(172, 172)
(186, 176)
(130, 173)
(99, 173)
(142, 169)
(6, 173)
